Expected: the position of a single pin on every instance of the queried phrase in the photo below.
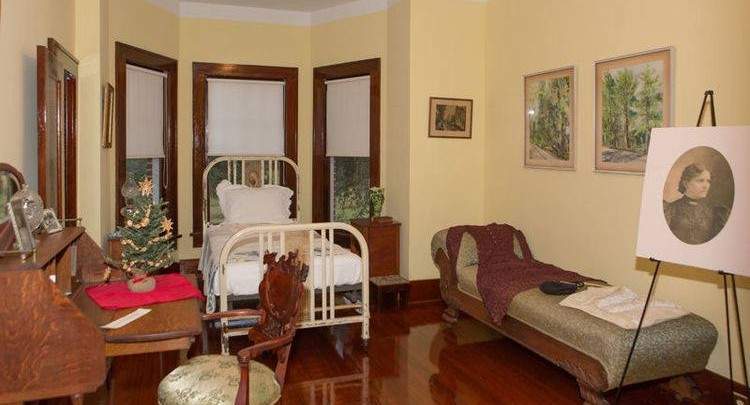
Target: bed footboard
(312, 241)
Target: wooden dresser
(383, 240)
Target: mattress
(243, 271)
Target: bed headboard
(276, 170)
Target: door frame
(66, 115)
(321, 166)
(130, 55)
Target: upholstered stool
(215, 379)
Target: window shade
(348, 117)
(145, 113)
(245, 117)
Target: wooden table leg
(76, 399)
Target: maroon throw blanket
(502, 275)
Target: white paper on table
(120, 322)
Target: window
(145, 132)
(145, 126)
(348, 147)
(239, 110)
(346, 139)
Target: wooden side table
(383, 241)
(394, 284)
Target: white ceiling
(292, 5)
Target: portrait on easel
(695, 207)
(698, 195)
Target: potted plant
(377, 198)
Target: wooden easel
(708, 97)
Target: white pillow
(241, 204)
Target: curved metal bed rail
(312, 314)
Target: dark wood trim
(57, 67)
(421, 291)
(321, 170)
(71, 142)
(201, 73)
(189, 266)
(124, 55)
(41, 120)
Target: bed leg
(590, 395)
(451, 315)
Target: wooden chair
(224, 379)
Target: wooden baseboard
(424, 291)
(718, 383)
(189, 266)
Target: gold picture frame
(549, 119)
(108, 115)
(640, 84)
(450, 118)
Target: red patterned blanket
(502, 275)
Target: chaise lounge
(593, 350)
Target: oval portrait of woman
(698, 195)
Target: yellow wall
(588, 221)
(203, 40)
(23, 26)
(397, 137)
(91, 51)
(447, 175)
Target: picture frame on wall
(450, 118)
(633, 96)
(108, 115)
(549, 117)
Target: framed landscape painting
(550, 119)
(633, 95)
(450, 118)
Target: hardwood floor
(412, 358)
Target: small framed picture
(108, 115)
(24, 237)
(550, 119)
(450, 118)
(50, 222)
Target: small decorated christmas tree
(147, 242)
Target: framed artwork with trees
(549, 110)
(633, 95)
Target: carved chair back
(280, 295)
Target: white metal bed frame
(314, 312)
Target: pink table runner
(169, 287)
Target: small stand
(708, 96)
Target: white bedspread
(244, 273)
(622, 307)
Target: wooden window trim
(130, 55)
(201, 73)
(321, 169)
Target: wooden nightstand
(383, 241)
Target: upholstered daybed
(594, 351)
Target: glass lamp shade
(129, 189)
(33, 207)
